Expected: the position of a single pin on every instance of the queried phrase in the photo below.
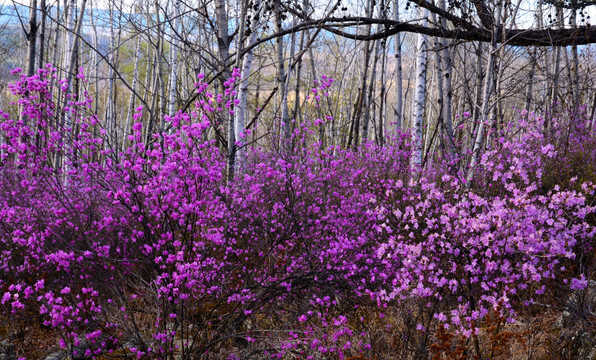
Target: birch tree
(32, 38)
(447, 94)
(419, 95)
(398, 71)
(174, 58)
(280, 72)
(240, 109)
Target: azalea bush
(309, 252)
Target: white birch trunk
(575, 59)
(111, 83)
(281, 78)
(368, 105)
(478, 87)
(69, 63)
(240, 109)
(556, 68)
(174, 59)
(399, 90)
(438, 72)
(383, 118)
(95, 60)
(74, 45)
(55, 47)
(419, 95)
(222, 35)
(131, 102)
(32, 38)
(447, 91)
(70, 27)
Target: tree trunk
(485, 110)
(357, 114)
(131, 102)
(223, 38)
(74, 50)
(419, 96)
(95, 60)
(55, 47)
(223, 47)
(447, 91)
(70, 27)
(315, 78)
(32, 38)
(154, 95)
(160, 105)
(575, 81)
(554, 96)
(371, 88)
(296, 112)
(531, 74)
(70, 62)
(241, 110)
(429, 108)
(478, 98)
(439, 79)
(110, 106)
(498, 86)
(383, 118)
(280, 74)
(174, 60)
(42, 35)
(398, 112)
(236, 129)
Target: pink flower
(579, 284)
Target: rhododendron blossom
(96, 242)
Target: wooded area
(489, 59)
(297, 179)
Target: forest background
(297, 179)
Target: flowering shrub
(312, 252)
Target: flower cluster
(152, 251)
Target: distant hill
(13, 15)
